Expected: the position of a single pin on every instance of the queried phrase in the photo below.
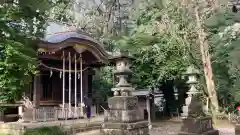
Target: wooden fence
(46, 114)
(51, 114)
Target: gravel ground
(173, 131)
(163, 131)
(167, 130)
(172, 128)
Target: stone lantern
(195, 121)
(191, 73)
(124, 116)
(123, 74)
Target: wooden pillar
(90, 85)
(1, 116)
(36, 90)
(85, 83)
(36, 94)
(149, 112)
(20, 112)
(90, 93)
(153, 109)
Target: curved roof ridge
(56, 33)
(59, 37)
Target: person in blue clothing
(87, 107)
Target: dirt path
(172, 128)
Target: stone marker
(236, 123)
(237, 129)
(124, 116)
(195, 121)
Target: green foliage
(102, 84)
(224, 40)
(22, 24)
(15, 68)
(158, 44)
(45, 131)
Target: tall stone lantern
(124, 116)
(195, 122)
(191, 73)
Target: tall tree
(206, 57)
(22, 25)
(223, 36)
(159, 42)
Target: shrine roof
(56, 33)
(61, 36)
(58, 37)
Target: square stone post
(195, 121)
(124, 116)
(148, 98)
(237, 124)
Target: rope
(61, 70)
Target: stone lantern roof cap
(143, 92)
(121, 56)
(191, 71)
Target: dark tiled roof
(56, 33)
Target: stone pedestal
(124, 109)
(237, 129)
(124, 116)
(198, 126)
(137, 128)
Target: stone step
(15, 129)
(82, 129)
(93, 132)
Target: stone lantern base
(237, 129)
(124, 117)
(198, 126)
(137, 128)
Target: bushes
(45, 131)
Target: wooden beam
(50, 57)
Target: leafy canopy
(158, 43)
(22, 24)
(224, 38)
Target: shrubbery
(45, 131)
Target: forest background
(164, 36)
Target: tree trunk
(206, 59)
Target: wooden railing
(52, 114)
(46, 114)
(66, 113)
